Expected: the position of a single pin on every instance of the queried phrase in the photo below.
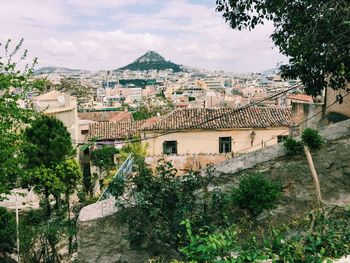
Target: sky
(108, 34)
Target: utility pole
(17, 229)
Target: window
(281, 138)
(170, 147)
(225, 144)
(83, 132)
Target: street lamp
(252, 137)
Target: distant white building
(135, 93)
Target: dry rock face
(101, 238)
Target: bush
(7, 231)
(103, 157)
(293, 147)
(312, 139)
(256, 193)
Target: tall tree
(314, 34)
(47, 144)
(14, 85)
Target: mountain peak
(150, 56)
(151, 60)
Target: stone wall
(309, 114)
(187, 162)
(331, 162)
(102, 239)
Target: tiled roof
(302, 97)
(184, 119)
(118, 130)
(112, 116)
(51, 95)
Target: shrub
(293, 147)
(7, 231)
(256, 193)
(103, 157)
(312, 139)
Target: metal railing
(124, 169)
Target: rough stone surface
(103, 240)
(331, 162)
(187, 162)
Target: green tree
(48, 143)
(7, 231)
(70, 175)
(256, 193)
(103, 158)
(14, 85)
(314, 34)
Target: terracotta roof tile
(302, 97)
(112, 116)
(197, 118)
(118, 130)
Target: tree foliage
(314, 34)
(103, 158)
(69, 174)
(14, 85)
(47, 146)
(7, 231)
(48, 143)
(256, 193)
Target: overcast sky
(107, 34)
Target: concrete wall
(344, 108)
(187, 162)
(310, 114)
(207, 142)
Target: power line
(301, 123)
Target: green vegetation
(153, 65)
(292, 146)
(47, 147)
(312, 139)
(103, 158)
(7, 231)
(48, 143)
(207, 226)
(329, 238)
(257, 193)
(137, 82)
(309, 138)
(313, 34)
(152, 108)
(12, 117)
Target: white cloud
(59, 33)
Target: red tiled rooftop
(197, 118)
(118, 130)
(112, 116)
(301, 97)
